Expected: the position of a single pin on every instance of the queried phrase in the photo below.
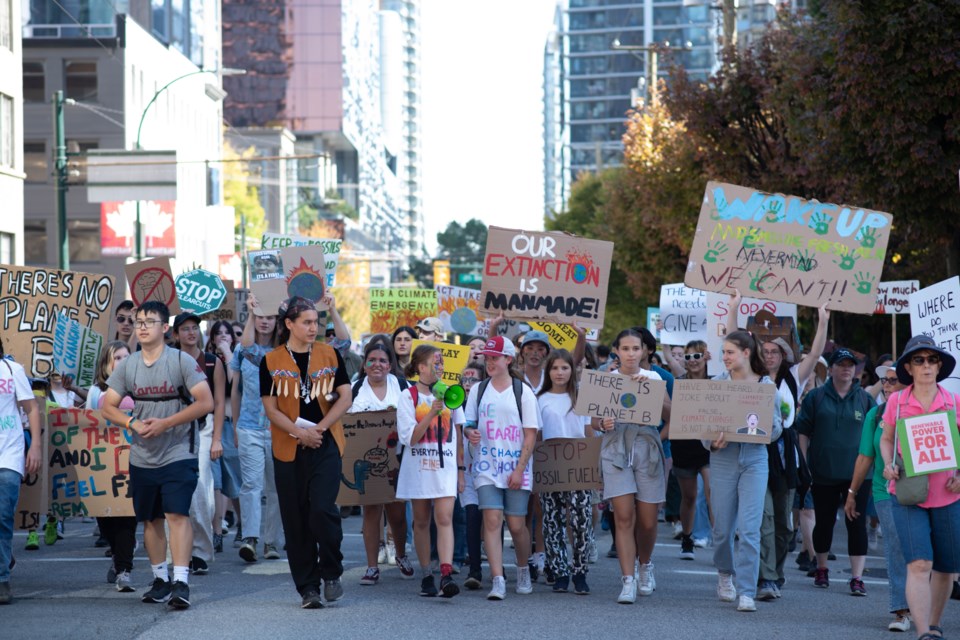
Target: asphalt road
(61, 591)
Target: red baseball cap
(499, 346)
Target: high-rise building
(135, 73)
(11, 134)
(589, 85)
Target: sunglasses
(692, 356)
(920, 360)
(124, 320)
(890, 381)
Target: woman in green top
(869, 461)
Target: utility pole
(60, 167)
(730, 23)
(651, 61)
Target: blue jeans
(9, 495)
(701, 522)
(929, 534)
(256, 470)
(896, 567)
(738, 486)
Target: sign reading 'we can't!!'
(545, 276)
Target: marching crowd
(244, 424)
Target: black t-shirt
(311, 411)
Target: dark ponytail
(745, 340)
(420, 355)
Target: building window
(81, 80)
(160, 20)
(6, 24)
(6, 131)
(35, 161)
(35, 242)
(84, 240)
(6, 249)
(33, 82)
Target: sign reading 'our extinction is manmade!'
(545, 276)
(785, 248)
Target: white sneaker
(592, 554)
(499, 590)
(746, 604)
(648, 583)
(677, 530)
(382, 554)
(725, 589)
(391, 553)
(524, 584)
(700, 543)
(900, 623)
(628, 592)
(541, 560)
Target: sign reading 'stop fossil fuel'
(545, 276)
(785, 248)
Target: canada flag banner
(118, 228)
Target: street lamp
(652, 51)
(214, 93)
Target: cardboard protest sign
(702, 409)
(683, 312)
(561, 336)
(929, 443)
(455, 358)
(30, 301)
(153, 280)
(34, 498)
(458, 309)
(76, 350)
(243, 311)
(227, 310)
(653, 317)
(785, 248)
(894, 297)
(304, 272)
(331, 249)
(617, 396)
(545, 276)
(370, 467)
(401, 306)
(935, 312)
(567, 464)
(265, 265)
(88, 465)
(718, 312)
(200, 291)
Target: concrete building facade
(11, 134)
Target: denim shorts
(930, 534)
(513, 502)
(160, 490)
(807, 500)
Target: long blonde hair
(106, 359)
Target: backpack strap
(792, 385)
(518, 395)
(355, 390)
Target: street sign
(469, 278)
(200, 291)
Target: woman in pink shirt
(929, 531)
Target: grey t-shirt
(154, 389)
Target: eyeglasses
(147, 324)
(890, 381)
(692, 356)
(920, 360)
(125, 319)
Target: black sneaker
(249, 550)
(448, 588)
(580, 584)
(111, 574)
(686, 547)
(534, 571)
(561, 584)
(159, 592)
(549, 577)
(218, 543)
(198, 567)
(101, 542)
(311, 599)
(179, 595)
(473, 581)
(427, 587)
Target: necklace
(305, 383)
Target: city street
(64, 586)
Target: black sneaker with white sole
(159, 592)
(311, 599)
(198, 566)
(428, 589)
(179, 595)
(686, 547)
(448, 588)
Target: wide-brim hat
(786, 349)
(924, 343)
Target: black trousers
(827, 498)
(474, 533)
(121, 533)
(307, 492)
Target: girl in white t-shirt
(557, 420)
(379, 389)
(432, 470)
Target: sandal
(937, 630)
(929, 636)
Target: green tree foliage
(463, 243)
(243, 196)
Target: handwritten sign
(152, 280)
(305, 275)
(34, 498)
(227, 310)
(567, 464)
(683, 312)
(702, 409)
(617, 396)
(894, 297)
(561, 336)
(76, 349)
(392, 308)
(455, 358)
(718, 312)
(243, 311)
(785, 248)
(929, 443)
(935, 312)
(331, 249)
(545, 276)
(88, 465)
(30, 302)
(370, 466)
(458, 309)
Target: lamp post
(138, 227)
(652, 51)
(60, 166)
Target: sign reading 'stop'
(545, 276)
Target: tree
(463, 244)
(244, 197)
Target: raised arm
(817, 346)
